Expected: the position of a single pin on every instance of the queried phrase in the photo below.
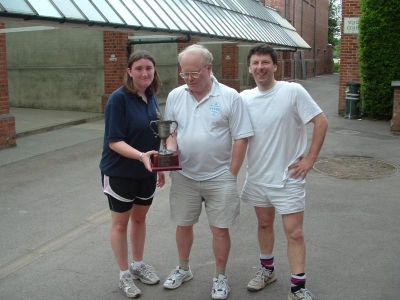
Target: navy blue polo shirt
(127, 118)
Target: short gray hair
(205, 53)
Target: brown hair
(128, 81)
(262, 48)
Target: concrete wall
(56, 69)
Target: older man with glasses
(211, 139)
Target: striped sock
(297, 282)
(267, 261)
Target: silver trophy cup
(164, 131)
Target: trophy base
(166, 162)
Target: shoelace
(146, 271)
(262, 274)
(304, 294)
(127, 280)
(220, 285)
(173, 274)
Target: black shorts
(123, 192)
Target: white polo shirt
(206, 129)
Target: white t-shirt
(206, 128)
(278, 117)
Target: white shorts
(219, 194)
(287, 200)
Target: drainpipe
(315, 36)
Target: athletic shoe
(220, 287)
(262, 278)
(130, 289)
(302, 294)
(145, 274)
(177, 277)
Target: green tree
(379, 45)
(334, 19)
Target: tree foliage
(379, 45)
(334, 19)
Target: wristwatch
(141, 157)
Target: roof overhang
(244, 21)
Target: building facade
(77, 69)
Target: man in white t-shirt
(277, 164)
(211, 140)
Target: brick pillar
(349, 65)
(7, 121)
(230, 66)
(115, 58)
(395, 124)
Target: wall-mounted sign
(350, 25)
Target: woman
(125, 166)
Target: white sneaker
(145, 274)
(177, 277)
(220, 287)
(302, 294)
(262, 278)
(128, 286)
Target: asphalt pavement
(55, 221)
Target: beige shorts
(219, 194)
(286, 200)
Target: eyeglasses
(195, 75)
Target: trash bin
(352, 100)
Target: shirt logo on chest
(215, 108)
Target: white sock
(137, 264)
(122, 273)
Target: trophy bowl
(164, 160)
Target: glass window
(196, 19)
(137, 13)
(159, 9)
(238, 30)
(182, 14)
(124, 12)
(68, 9)
(253, 28)
(207, 22)
(218, 14)
(89, 10)
(45, 8)
(173, 16)
(240, 24)
(107, 11)
(218, 23)
(150, 14)
(17, 6)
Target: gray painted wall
(63, 69)
(56, 69)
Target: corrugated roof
(243, 21)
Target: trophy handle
(151, 127)
(176, 127)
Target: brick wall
(115, 44)
(395, 126)
(310, 19)
(7, 121)
(230, 66)
(349, 65)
